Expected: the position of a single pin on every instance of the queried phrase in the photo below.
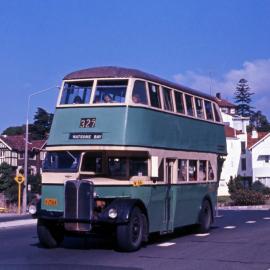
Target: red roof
(230, 132)
(17, 142)
(252, 141)
(224, 103)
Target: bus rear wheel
(205, 217)
(130, 235)
(50, 234)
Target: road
(238, 240)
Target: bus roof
(120, 72)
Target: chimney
(218, 95)
(254, 134)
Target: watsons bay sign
(85, 136)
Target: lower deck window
(182, 170)
(138, 167)
(192, 170)
(92, 162)
(61, 161)
(202, 170)
(117, 167)
(211, 175)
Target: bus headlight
(112, 213)
(32, 209)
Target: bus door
(169, 198)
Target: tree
(242, 97)
(259, 121)
(18, 130)
(42, 124)
(7, 183)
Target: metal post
(24, 206)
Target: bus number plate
(50, 201)
(87, 122)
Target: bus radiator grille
(78, 203)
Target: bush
(247, 197)
(235, 184)
(260, 187)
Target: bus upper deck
(125, 107)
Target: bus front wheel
(205, 217)
(50, 234)
(130, 235)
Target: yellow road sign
(19, 178)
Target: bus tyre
(50, 234)
(130, 235)
(205, 217)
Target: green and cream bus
(130, 154)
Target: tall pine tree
(42, 124)
(242, 97)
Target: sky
(207, 45)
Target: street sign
(19, 178)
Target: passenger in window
(77, 100)
(136, 98)
(107, 98)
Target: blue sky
(208, 45)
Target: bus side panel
(52, 197)
(158, 129)
(156, 208)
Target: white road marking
(15, 223)
(251, 221)
(166, 244)
(202, 234)
(267, 218)
(229, 227)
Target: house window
(21, 155)
(243, 164)
(267, 159)
(243, 147)
(32, 156)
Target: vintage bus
(129, 154)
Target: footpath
(14, 220)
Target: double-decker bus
(130, 154)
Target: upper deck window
(178, 97)
(167, 95)
(154, 95)
(217, 117)
(199, 107)
(139, 93)
(76, 92)
(111, 91)
(208, 110)
(189, 103)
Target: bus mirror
(154, 166)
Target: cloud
(256, 72)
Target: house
(238, 160)
(12, 150)
(259, 150)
